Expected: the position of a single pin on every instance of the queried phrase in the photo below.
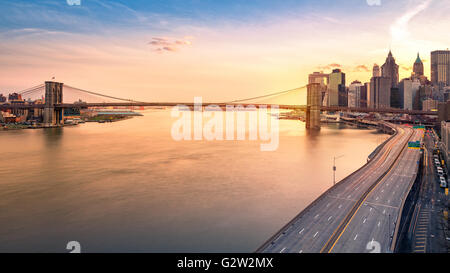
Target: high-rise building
(408, 91)
(365, 94)
(318, 77)
(322, 79)
(396, 100)
(354, 94)
(440, 68)
(418, 66)
(376, 72)
(390, 70)
(380, 92)
(336, 88)
(429, 105)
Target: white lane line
(377, 198)
(384, 211)
(281, 251)
(370, 209)
(315, 234)
(348, 197)
(340, 206)
(379, 223)
(300, 251)
(300, 232)
(364, 220)
(315, 217)
(355, 237)
(329, 218)
(328, 205)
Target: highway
(362, 208)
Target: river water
(129, 187)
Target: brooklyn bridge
(53, 104)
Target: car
(440, 172)
(437, 163)
(443, 182)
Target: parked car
(443, 182)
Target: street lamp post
(334, 168)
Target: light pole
(334, 168)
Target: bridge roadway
(361, 208)
(6, 106)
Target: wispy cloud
(399, 30)
(329, 66)
(361, 68)
(164, 44)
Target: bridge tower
(53, 116)
(313, 101)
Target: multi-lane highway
(362, 209)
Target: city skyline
(176, 51)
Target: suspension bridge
(57, 96)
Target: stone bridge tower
(53, 116)
(313, 102)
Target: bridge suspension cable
(268, 95)
(31, 89)
(98, 94)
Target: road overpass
(361, 209)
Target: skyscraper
(440, 68)
(365, 94)
(336, 88)
(390, 70)
(418, 66)
(376, 71)
(354, 94)
(322, 79)
(380, 92)
(408, 91)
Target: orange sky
(224, 61)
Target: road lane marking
(329, 218)
(379, 223)
(282, 250)
(301, 231)
(364, 220)
(300, 251)
(315, 234)
(355, 237)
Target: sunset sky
(168, 50)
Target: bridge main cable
(268, 95)
(101, 95)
